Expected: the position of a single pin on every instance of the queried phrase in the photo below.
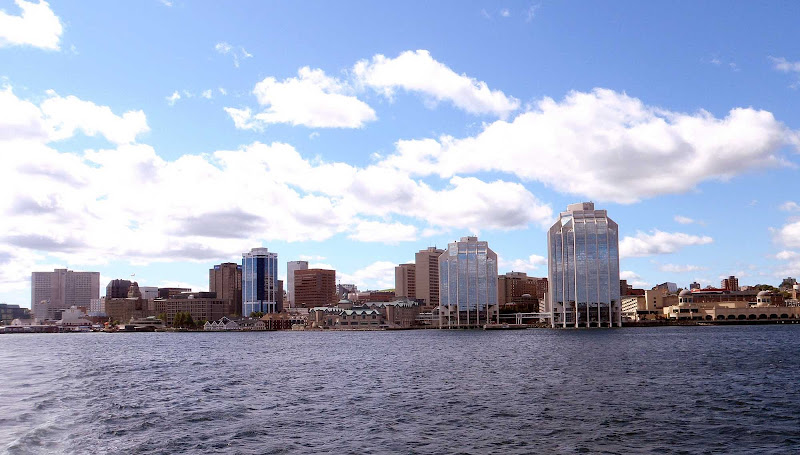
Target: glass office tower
(260, 282)
(583, 269)
(467, 283)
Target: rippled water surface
(654, 390)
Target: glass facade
(260, 282)
(467, 281)
(583, 268)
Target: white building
(583, 269)
(62, 289)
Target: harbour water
(670, 390)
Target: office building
(53, 292)
(405, 283)
(315, 288)
(226, 281)
(260, 290)
(730, 284)
(583, 269)
(291, 266)
(426, 277)
(117, 289)
(467, 284)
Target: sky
(153, 139)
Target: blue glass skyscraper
(583, 269)
(260, 289)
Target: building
(168, 293)
(513, 285)
(117, 289)
(315, 288)
(426, 276)
(730, 284)
(343, 290)
(291, 266)
(10, 312)
(201, 305)
(123, 310)
(53, 292)
(669, 287)
(405, 283)
(694, 285)
(763, 308)
(149, 292)
(583, 268)
(226, 281)
(467, 284)
(260, 288)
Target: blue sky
(158, 138)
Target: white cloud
(79, 206)
(677, 268)
(206, 94)
(166, 3)
(238, 53)
(222, 91)
(37, 26)
(378, 275)
(419, 72)
(789, 235)
(59, 118)
(530, 264)
(633, 279)
(376, 231)
(505, 12)
(607, 146)
(312, 99)
(790, 206)
(786, 66)
(172, 99)
(307, 257)
(683, 219)
(530, 14)
(658, 242)
(786, 255)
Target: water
(678, 390)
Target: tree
(177, 321)
(257, 314)
(188, 320)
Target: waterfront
(653, 390)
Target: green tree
(177, 321)
(188, 321)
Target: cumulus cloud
(238, 53)
(126, 200)
(677, 268)
(786, 255)
(790, 206)
(311, 99)
(530, 264)
(633, 279)
(658, 242)
(608, 146)
(789, 235)
(417, 71)
(37, 26)
(378, 275)
(59, 118)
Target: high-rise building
(291, 266)
(583, 268)
(467, 283)
(730, 284)
(117, 289)
(694, 285)
(315, 287)
(61, 289)
(260, 290)
(226, 280)
(405, 283)
(426, 276)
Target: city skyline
(161, 154)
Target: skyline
(352, 141)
